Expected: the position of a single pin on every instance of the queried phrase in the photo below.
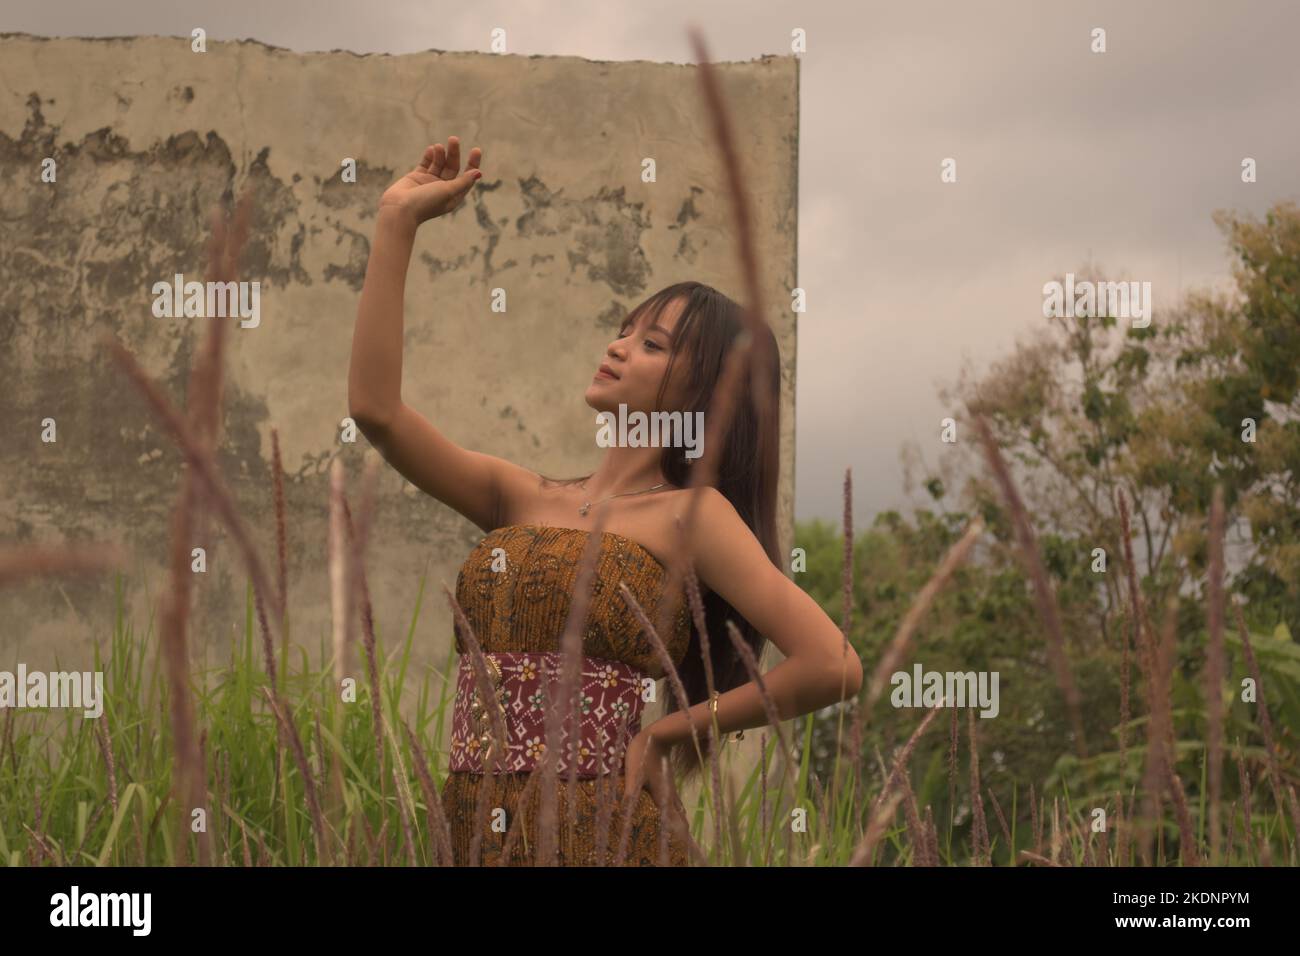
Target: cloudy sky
(1064, 156)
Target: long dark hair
(748, 472)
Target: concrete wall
(147, 135)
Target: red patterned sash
(610, 712)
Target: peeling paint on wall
(147, 136)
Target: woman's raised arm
(470, 482)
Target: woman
(516, 585)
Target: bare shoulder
(728, 556)
(718, 530)
(714, 507)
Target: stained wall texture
(147, 135)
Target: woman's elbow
(844, 678)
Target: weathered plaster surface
(148, 135)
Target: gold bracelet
(713, 710)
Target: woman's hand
(645, 749)
(436, 186)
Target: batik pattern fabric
(515, 588)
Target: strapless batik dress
(517, 602)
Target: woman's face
(638, 359)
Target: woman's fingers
(452, 168)
(443, 162)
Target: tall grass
(261, 762)
(77, 791)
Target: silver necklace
(587, 506)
